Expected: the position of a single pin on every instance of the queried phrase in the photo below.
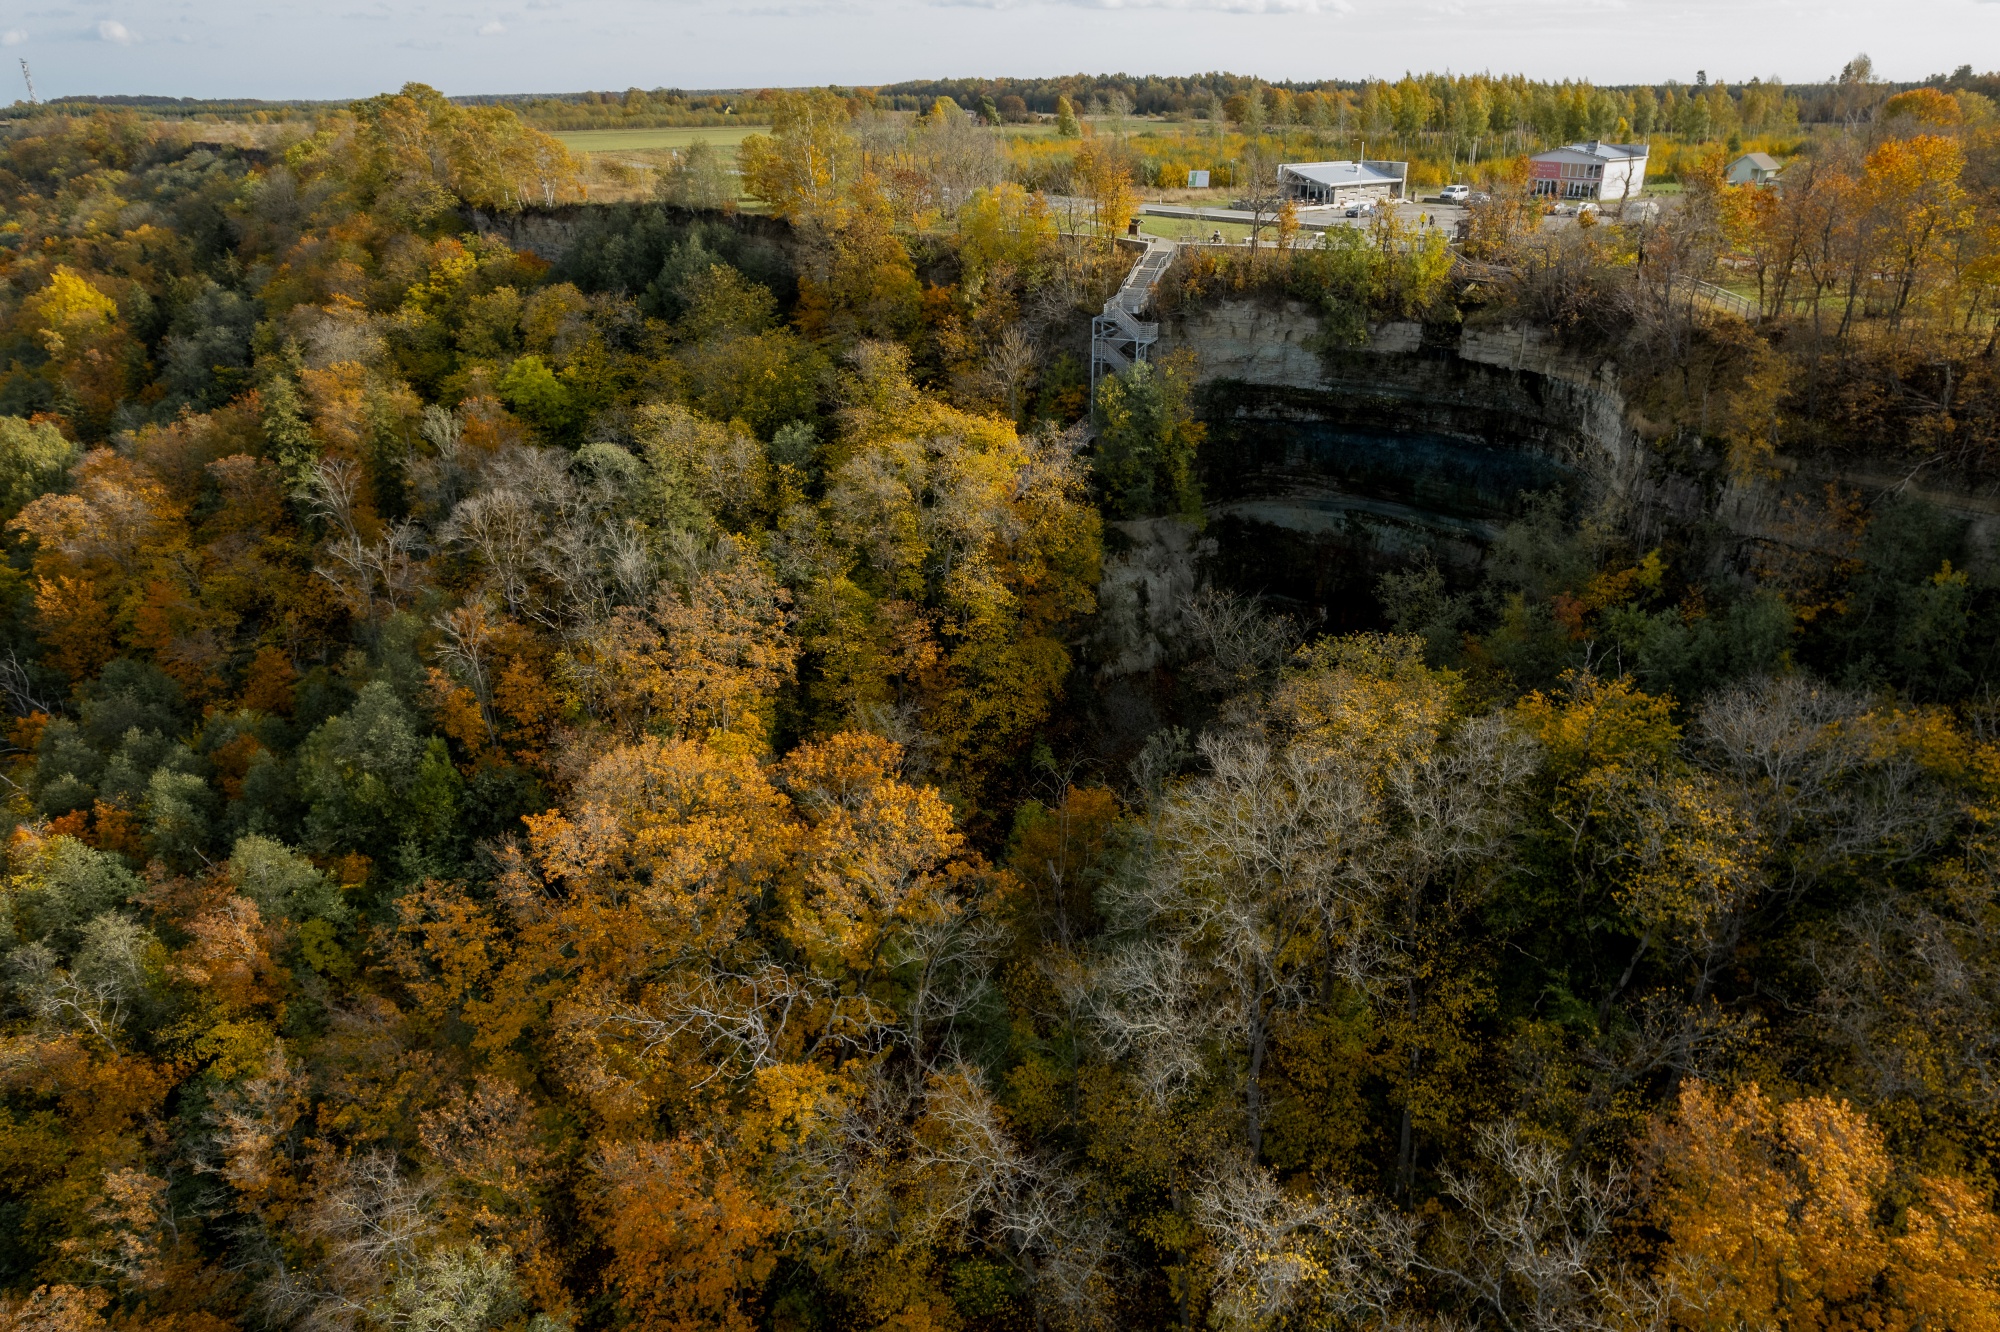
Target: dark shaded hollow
(1312, 494)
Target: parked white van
(1455, 193)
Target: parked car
(1455, 193)
(1480, 196)
(1362, 209)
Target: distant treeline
(174, 108)
(1853, 91)
(635, 108)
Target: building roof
(1338, 173)
(1593, 151)
(1762, 161)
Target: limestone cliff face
(1754, 512)
(1252, 341)
(1326, 467)
(1309, 438)
(1509, 388)
(545, 233)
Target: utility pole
(30, 79)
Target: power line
(30, 79)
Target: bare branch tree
(1285, 1254)
(390, 567)
(1531, 1241)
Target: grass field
(1182, 228)
(621, 162)
(641, 140)
(728, 136)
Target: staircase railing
(1118, 337)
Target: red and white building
(1607, 172)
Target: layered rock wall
(1514, 387)
(1327, 466)
(1509, 387)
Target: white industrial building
(1328, 184)
(1607, 172)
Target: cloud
(111, 30)
(1210, 6)
(492, 29)
(12, 37)
(810, 9)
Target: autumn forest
(563, 771)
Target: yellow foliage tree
(90, 352)
(414, 154)
(1921, 206)
(963, 549)
(804, 165)
(692, 1242)
(705, 660)
(1774, 1218)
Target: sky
(353, 48)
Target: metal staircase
(1118, 337)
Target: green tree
(284, 884)
(1066, 124)
(532, 389)
(1645, 107)
(34, 459)
(1147, 438)
(287, 437)
(377, 785)
(697, 178)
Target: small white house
(1328, 184)
(1753, 169)
(1608, 172)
